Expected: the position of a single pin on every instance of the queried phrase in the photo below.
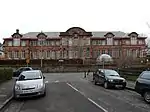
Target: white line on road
(88, 98)
(56, 81)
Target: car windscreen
(30, 76)
(146, 75)
(111, 73)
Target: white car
(30, 83)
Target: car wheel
(106, 85)
(147, 96)
(123, 87)
(15, 96)
(95, 82)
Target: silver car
(30, 83)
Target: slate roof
(94, 33)
(102, 33)
(49, 34)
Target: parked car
(142, 85)
(21, 69)
(30, 83)
(108, 78)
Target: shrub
(5, 74)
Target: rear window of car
(145, 75)
(30, 76)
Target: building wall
(75, 43)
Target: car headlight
(110, 80)
(17, 87)
(40, 85)
(124, 80)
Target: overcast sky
(60, 15)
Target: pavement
(6, 92)
(71, 92)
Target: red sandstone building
(75, 43)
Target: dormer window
(133, 36)
(16, 42)
(109, 41)
(109, 37)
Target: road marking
(88, 98)
(56, 81)
(46, 82)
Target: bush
(5, 74)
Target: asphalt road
(70, 92)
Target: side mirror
(43, 77)
(16, 78)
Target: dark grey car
(108, 78)
(143, 85)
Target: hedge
(5, 74)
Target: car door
(101, 77)
(95, 76)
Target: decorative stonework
(41, 35)
(133, 34)
(109, 35)
(74, 31)
(17, 34)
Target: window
(15, 54)
(109, 52)
(23, 43)
(30, 76)
(22, 54)
(48, 55)
(70, 54)
(53, 55)
(109, 41)
(129, 52)
(9, 43)
(94, 54)
(103, 51)
(48, 43)
(145, 75)
(57, 43)
(88, 52)
(103, 42)
(133, 40)
(111, 73)
(116, 42)
(53, 43)
(57, 54)
(141, 53)
(35, 54)
(9, 54)
(16, 42)
(115, 53)
(98, 53)
(127, 42)
(93, 42)
(33, 43)
(141, 42)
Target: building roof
(49, 34)
(95, 34)
(102, 33)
